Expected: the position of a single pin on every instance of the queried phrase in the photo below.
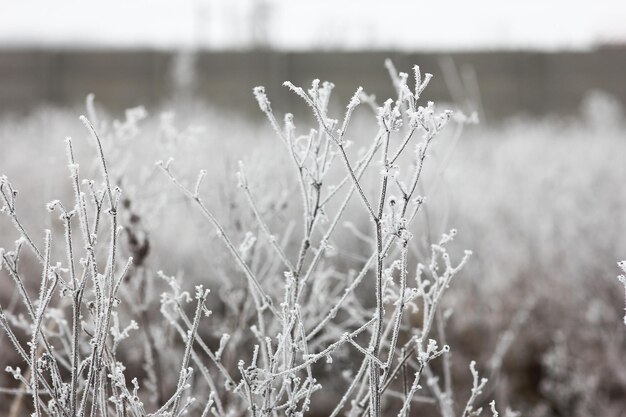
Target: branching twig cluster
(301, 311)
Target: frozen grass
(327, 270)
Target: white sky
(327, 24)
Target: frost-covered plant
(622, 279)
(299, 323)
(317, 319)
